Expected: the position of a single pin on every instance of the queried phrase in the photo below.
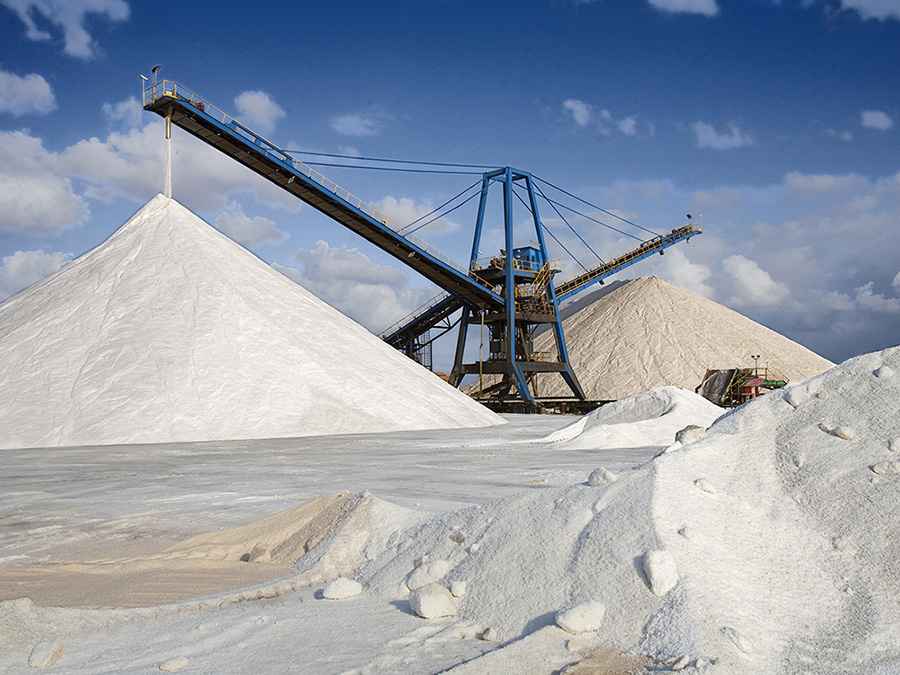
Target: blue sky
(779, 122)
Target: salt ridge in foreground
(765, 547)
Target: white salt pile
(651, 418)
(647, 333)
(170, 331)
(765, 547)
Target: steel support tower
(523, 277)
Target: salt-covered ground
(124, 500)
(763, 544)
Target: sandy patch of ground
(149, 573)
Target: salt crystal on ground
(581, 618)
(601, 477)
(661, 571)
(432, 601)
(844, 544)
(706, 486)
(739, 639)
(342, 588)
(690, 434)
(427, 573)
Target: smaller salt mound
(648, 333)
(340, 531)
(650, 418)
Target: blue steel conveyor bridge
(511, 294)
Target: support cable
(594, 206)
(463, 203)
(600, 222)
(547, 229)
(541, 192)
(390, 168)
(382, 159)
(442, 205)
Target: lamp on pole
(755, 358)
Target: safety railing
(580, 279)
(499, 262)
(439, 298)
(170, 89)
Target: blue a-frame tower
(523, 277)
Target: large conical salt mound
(648, 333)
(169, 331)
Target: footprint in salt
(691, 535)
(845, 432)
(739, 639)
(706, 486)
(843, 544)
(886, 468)
(884, 372)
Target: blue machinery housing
(511, 294)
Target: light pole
(755, 358)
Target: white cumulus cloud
(405, 211)
(751, 286)
(676, 268)
(874, 9)
(70, 17)
(578, 110)
(132, 164)
(704, 7)
(372, 294)
(708, 137)
(28, 94)
(24, 268)
(248, 231)
(129, 112)
(356, 125)
(839, 301)
(584, 115)
(876, 302)
(258, 110)
(875, 119)
(34, 197)
(823, 183)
